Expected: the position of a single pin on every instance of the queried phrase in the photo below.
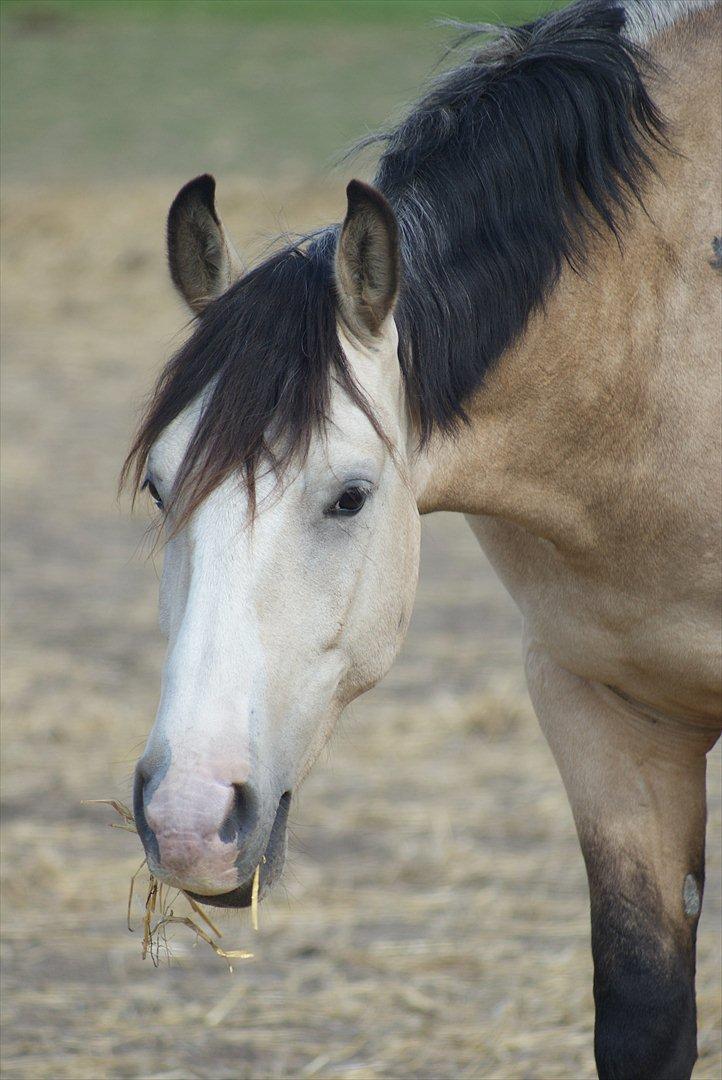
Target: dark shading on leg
(636, 786)
(644, 967)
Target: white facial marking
(273, 628)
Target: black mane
(496, 178)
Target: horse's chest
(617, 629)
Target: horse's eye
(349, 503)
(152, 490)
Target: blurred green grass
(281, 11)
(120, 88)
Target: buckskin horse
(520, 321)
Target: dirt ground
(434, 918)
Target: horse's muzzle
(271, 865)
(207, 836)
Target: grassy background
(122, 89)
(253, 12)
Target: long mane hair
(497, 177)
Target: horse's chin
(271, 867)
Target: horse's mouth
(270, 867)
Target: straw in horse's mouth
(160, 898)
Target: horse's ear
(367, 260)
(203, 262)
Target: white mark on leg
(690, 897)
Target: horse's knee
(643, 983)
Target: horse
(518, 321)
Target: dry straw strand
(254, 896)
(159, 900)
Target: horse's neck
(586, 414)
(647, 18)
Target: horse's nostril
(139, 782)
(143, 772)
(145, 832)
(242, 817)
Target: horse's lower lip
(271, 866)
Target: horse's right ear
(367, 260)
(203, 262)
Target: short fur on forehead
(495, 180)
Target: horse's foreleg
(637, 791)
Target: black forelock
(497, 178)
(266, 352)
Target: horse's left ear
(203, 262)
(367, 260)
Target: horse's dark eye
(152, 490)
(349, 503)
